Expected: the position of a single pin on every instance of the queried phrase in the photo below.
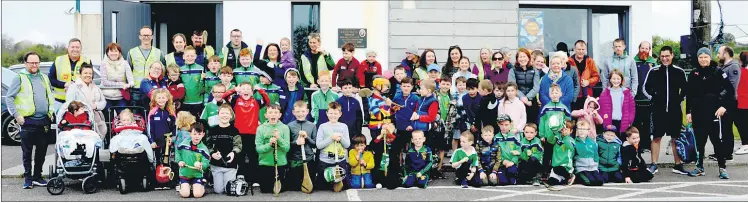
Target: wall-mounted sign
(357, 36)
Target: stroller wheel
(121, 186)
(90, 185)
(146, 186)
(55, 186)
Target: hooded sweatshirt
(732, 69)
(268, 154)
(624, 64)
(609, 153)
(516, 111)
(632, 160)
(586, 158)
(587, 114)
(608, 106)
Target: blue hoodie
(352, 115)
(407, 107)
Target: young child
(274, 92)
(459, 119)
(210, 112)
(379, 117)
(224, 144)
(332, 139)
(211, 77)
(174, 84)
(586, 158)
(465, 72)
(427, 111)
(404, 106)
(372, 68)
(322, 98)
(434, 73)
(488, 153)
(182, 132)
(247, 113)
(348, 68)
(76, 114)
(161, 119)
(272, 143)
(531, 155)
(465, 161)
(633, 166)
(487, 107)
(512, 106)
(303, 134)
(617, 105)
(589, 114)
(609, 149)
(130, 136)
(510, 150)
(378, 145)
(398, 74)
(552, 117)
(361, 162)
(193, 159)
(227, 78)
(294, 92)
(563, 150)
(352, 116)
(155, 80)
(447, 112)
(191, 75)
(471, 103)
(287, 57)
(417, 163)
(247, 72)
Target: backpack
(685, 145)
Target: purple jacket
(628, 111)
(501, 75)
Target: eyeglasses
(146, 35)
(498, 59)
(33, 63)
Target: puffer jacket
(592, 116)
(628, 110)
(609, 154)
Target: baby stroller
(76, 155)
(131, 153)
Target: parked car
(11, 129)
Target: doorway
(185, 18)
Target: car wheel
(11, 131)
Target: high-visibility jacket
(25, 98)
(65, 74)
(140, 63)
(171, 59)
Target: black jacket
(632, 160)
(665, 86)
(708, 89)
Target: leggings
(612, 176)
(590, 178)
(643, 122)
(642, 175)
(547, 156)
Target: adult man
(623, 63)
(730, 67)
(141, 57)
(230, 53)
(204, 51)
(643, 120)
(63, 73)
(30, 101)
(588, 77)
(665, 87)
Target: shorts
(190, 181)
(436, 141)
(456, 134)
(669, 123)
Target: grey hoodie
(310, 129)
(625, 64)
(732, 69)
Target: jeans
(221, 176)
(33, 136)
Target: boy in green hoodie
(275, 93)
(246, 72)
(211, 78)
(586, 159)
(563, 152)
(530, 155)
(552, 117)
(609, 150)
(510, 150)
(193, 159)
(273, 142)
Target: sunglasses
(455, 46)
(498, 59)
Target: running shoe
(571, 179)
(652, 168)
(712, 157)
(27, 184)
(723, 174)
(464, 183)
(697, 172)
(679, 169)
(742, 150)
(40, 182)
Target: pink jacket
(628, 110)
(516, 111)
(590, 115)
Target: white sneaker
(177, 187)
(255, 185)
(743, 150)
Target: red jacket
(176, 88)
(354, 71)
(247, 111)
(628, 110)
(365, 65)
(743, 89)
(71, 119)
(590, 73)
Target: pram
(131, 153)
(76, 155)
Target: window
(304, 20)
(605, 31)
(114, 27)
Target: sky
(671, 19)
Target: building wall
(440, 24)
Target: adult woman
(498, 72)
(116, 72)
(176, 57)
(428, 57)
(556, 75)
(483, 65)
(410, 63)
(270, 62)
(314, 60)
(453, 62)
(741, 122)
(84, 90)
(528, 80)
(709, 93)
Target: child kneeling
(361, 162)
(586, 159)
(418, 162)
(192, 158)
(465, 160)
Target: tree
(13, 51)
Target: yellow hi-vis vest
(306, 65)
(64, 73)
(25, 98)
(140, 63)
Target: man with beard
(730, 67)
(643, 119)
(204, 51)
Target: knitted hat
(703, 50)
(412, 50)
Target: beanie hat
(703, 50)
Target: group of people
(240, 112)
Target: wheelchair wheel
(55, 186)
(90, 185)
(121, 186)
